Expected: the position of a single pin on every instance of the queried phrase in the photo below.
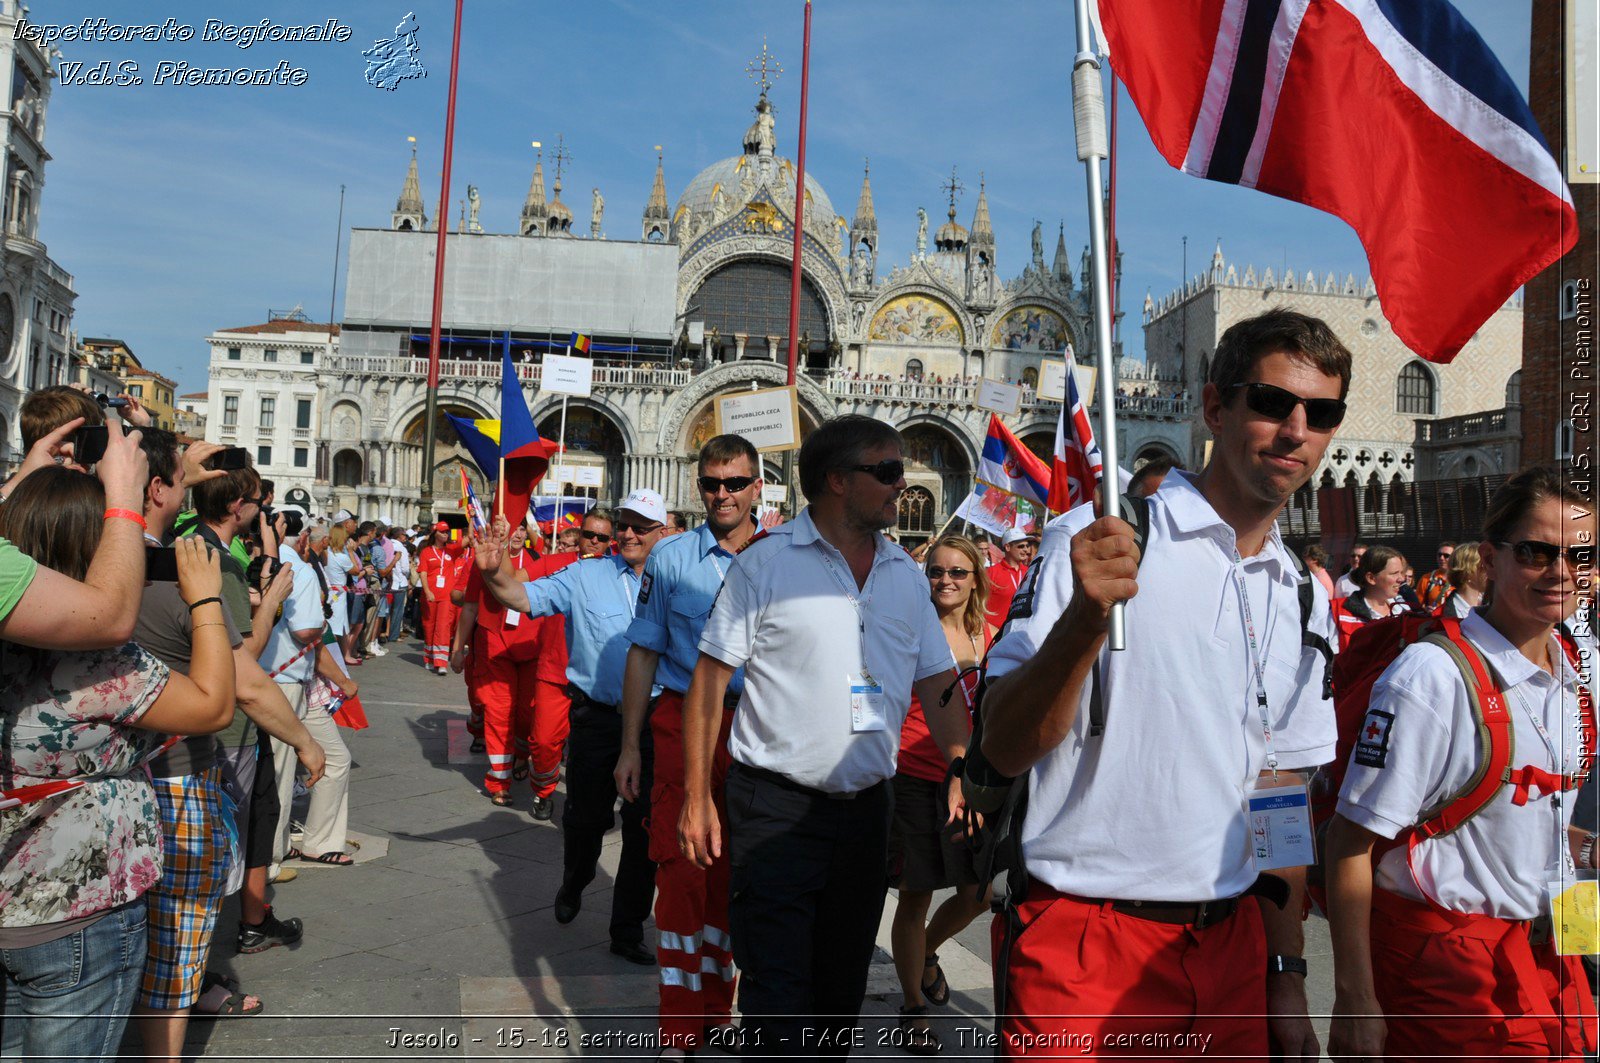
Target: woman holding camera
(1431, 929)
(83, 844)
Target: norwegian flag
(1391, 114)
(1077, 466)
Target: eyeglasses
(887, 472)
(1269, 400)
(1536, 553)
(936, 572)
(599, 537)
(1445, 553)
(638, 529)
(732, 484)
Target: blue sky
(184, 209)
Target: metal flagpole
(442, 223)
(561, 499)
(338, 236)
(799, 236)
(1089, 121)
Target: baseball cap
(1016, 535)
(647, 504)
(441, 526)
(342, 516)
(386, 520)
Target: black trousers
(592, 749)
(809, 878)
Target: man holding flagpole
(1149, 912)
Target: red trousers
(541, 742)
(470, 672)
(694, 951)
(508, 687)
(438, 628)
(1086, 980)
(1473, 987)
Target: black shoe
(633, 952)
(544, 809)
(477, 746)
(567, 905)
(269, 932)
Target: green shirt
(17, 570)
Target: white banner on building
(997, 396)
(563, 375)
(579, 475)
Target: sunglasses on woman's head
(1269, 400)
(733, 484)
(887, 472)
(1535, 553)
(936, 572)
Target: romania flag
(579, 343)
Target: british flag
(1077, 466)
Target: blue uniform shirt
(596, 596)
(681, 581)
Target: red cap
(441, 526)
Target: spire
(952, 235)
(1216, 256)
(409, 212)
(982, 228)
(1062, 265)
(657, 215)
(535, 212)
(560, 214)
(866, 219)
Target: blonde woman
(923, 858)
(1469, 578)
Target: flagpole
(1089, 121)
(442, 223)
(555, 525)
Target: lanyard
(1257, 660)
(859, 604)
(1557, 766)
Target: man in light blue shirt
(597, 597)
(680, 582)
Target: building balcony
(59, 275)
(1470, 427)
(469, 369)
(21, 244)
(965, 393)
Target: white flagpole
(555, 525)
(1089, 120)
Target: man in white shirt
(1345, 585)
(835, 629)
(1140, 917)
(399, 588)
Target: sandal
(919, 1040)
(936, 992)
(219, 1001)
(501, 799)
(332, 859)
(519, 770)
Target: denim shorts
(71, 996)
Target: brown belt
(1199, 914)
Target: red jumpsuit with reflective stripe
(441, 571)
(541, 743)
(504, 659)
(694, 951)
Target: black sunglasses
(936, 572)
(887, 472)
(1269, 400)
(638, 529)
(599, 537)
(733, 484)
(1536, 553)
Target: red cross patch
(1372, 746)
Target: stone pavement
(441, 943)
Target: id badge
(513, 618)
(439, 581)
(1575, 916)
(1278, 817)
(866, 705)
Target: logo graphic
(1372, 747)
(393, 61)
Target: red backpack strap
(1495, 735)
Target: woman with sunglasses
(922, 856)
(1378, 579)
(1432, 955)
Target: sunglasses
(1271, 401)
(599, 537)
(732, 484)
(954, 573)
(887, 472)
(1536, 553)
(638, 529)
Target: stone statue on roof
(1038, 246)
(596, 211)
(473, 203)
(922, 233)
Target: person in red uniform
(442, 566)
(1005, 575)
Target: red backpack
(1370, 651)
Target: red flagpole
(441, 222)
(799, 203)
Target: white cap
(386, 521)
(342, 516)
(1015, 535)
(648, 504)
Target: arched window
(1514, 389)
(914, 370)
(1030, 377)
(346, 469)
(916, 511)
(1415, 391)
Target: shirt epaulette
(756, 538)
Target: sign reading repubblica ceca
(769, 418)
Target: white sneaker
(378, 651)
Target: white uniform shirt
(1498, 862)
(400, 574)
(1153, 808)
(1344, 586)
(784, 614)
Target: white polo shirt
(1427, 748)
(784, 614)
(1153, 808)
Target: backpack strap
(1310, 640)
(1135, 509)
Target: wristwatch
(1586, 852)
(1286, 965)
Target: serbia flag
(1391, 114)
(1010, 466)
